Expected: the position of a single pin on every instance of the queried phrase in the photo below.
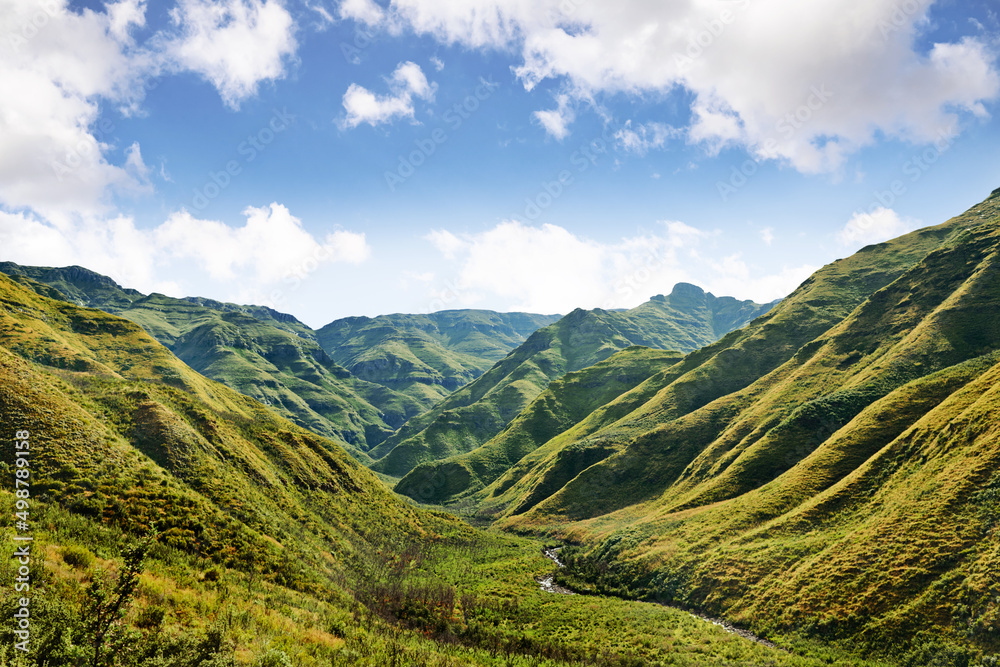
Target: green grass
(683, 321)
(564, 403)
(821, 471)
(427, 356)
(273, 543)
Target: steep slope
(271, 547)
(685, 320)
(564, 403)
(125, 432)
(260, 352)
(833, 466)
(427, 356)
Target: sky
(361, 157)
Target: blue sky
(358, 157)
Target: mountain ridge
(822, 467)
(471, 416)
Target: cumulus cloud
(60, 66)
(55, 68)
(364, 106)
(880, 224)
(270, 248)
(363, 11)
(549, 269)
(835, 79)
(234, 44)
(446, 243)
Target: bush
(78, 558)
(150, 617)
(274, 658)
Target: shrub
(274, 658)
(78, 558)
(150, 617)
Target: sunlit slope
(686, 319)
(716, 376)
(564, 403)
(427, 356)
(259, 352)
(851, 488)
(124, 432)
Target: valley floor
(464, 599)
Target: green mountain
(683, 321)
(175, 522)
(565, 402)
(834, 466)
(257, 351)
(400, 365)
(426, 357)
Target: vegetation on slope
(427, 356)
(829, 467)
(567, 401)
(267, 544)
(399, 365)
(683, 321)
(259, 352)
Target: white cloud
(234, 44)
(364, 106)
(767, 235)
(271, 248)
(364, 11)
(56, 65)
(60, 66)
(880, 224)
(113, 247)
(548, 269)
(124, 16)
(557, 121)
(446, 243)
(835, 80)
(644, 138)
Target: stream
(549, 586)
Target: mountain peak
(687, 290)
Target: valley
(821, 471)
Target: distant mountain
(683, 321)
(402, 364)
(833, 466)
(429, 356)
(224, 476)
(257, 351)
(565, 402)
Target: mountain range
(280, 361)
(823, 470)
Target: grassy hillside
(427, 356)
(831, 467)
(269, 544)
(564, 403)
(685, 320)
(264, 354)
